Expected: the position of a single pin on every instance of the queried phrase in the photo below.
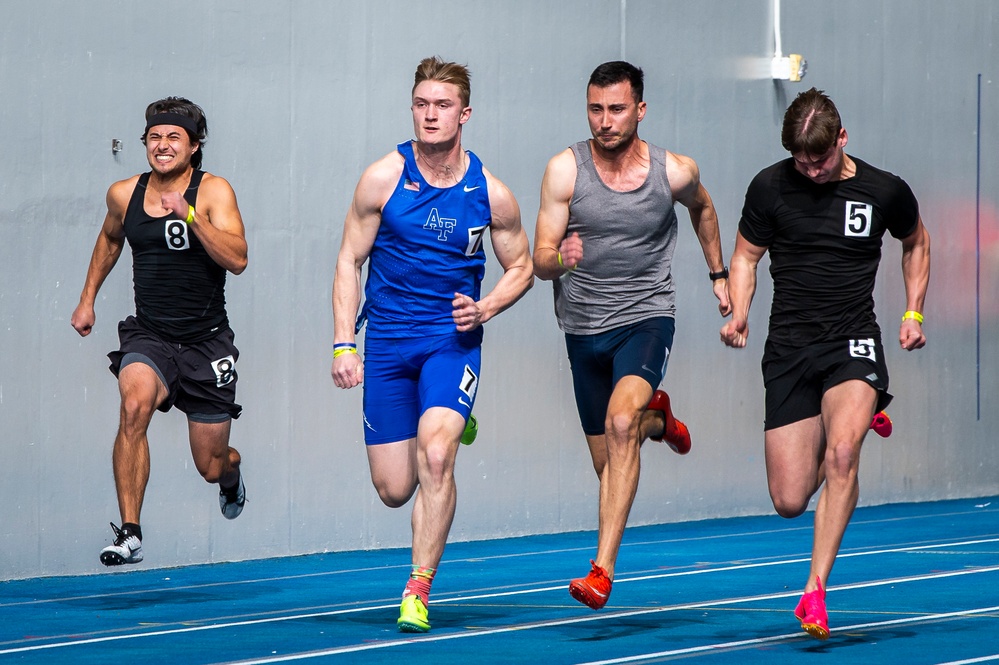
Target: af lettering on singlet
(859, 219)
(442, 226)
(175, 231)
(225, 370)
(863, 349)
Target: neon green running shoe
(413, 615)
(471, 430)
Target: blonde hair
(435, 69)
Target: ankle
(132, 529)
(420, 580)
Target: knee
(212, 472)
(394, 495)
(787, 504)
(789, 510)
(841, 461)
(621, 429)
(135, 414)
(436, 463)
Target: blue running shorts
(405, 377)
(599, 361)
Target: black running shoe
(231, 500)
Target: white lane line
(484, 632)
(779, 638)
(331, 573)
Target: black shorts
(599, 361)
(796, 377)
(200, 378)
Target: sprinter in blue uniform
(418, 218)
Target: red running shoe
(881, 424)
(592, 590)
(675, 435)
(811, 612)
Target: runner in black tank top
(185, 232)
(179, 288)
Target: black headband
(172, 119)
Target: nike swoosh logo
(464, 402)
(597, 593)
(471, 189)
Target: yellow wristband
(190, 215)
(558, 256)
(344, 349)
(913, 314)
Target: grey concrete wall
(302, 95)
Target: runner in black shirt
(185, 232)
(822, 215)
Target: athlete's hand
(911, 336)
(720, 287)
(735, 332)
(466, 313)
(83, 319)
(571, 250)
(347, 370)
(175, 203)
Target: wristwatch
(721, 274)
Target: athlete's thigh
(209, 441)
(642, 349)
(794, 455)
(847, 409)
(391, 400)
(156, 366)
(394, 470)
(140, 383)
(862, 360)
(592, 381)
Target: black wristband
(721, 274)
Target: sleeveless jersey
(825, 247)
(628, 243)
(428, 247)
(179, 289)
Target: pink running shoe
(592, 590)
(881, 424)
(811, 612)
(675, 435)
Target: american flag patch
(411, 186)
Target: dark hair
(188, 109)
(435, 69)
(618, 71)
(811, 124)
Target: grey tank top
(628, 242)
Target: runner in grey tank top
(629, 239)
(605, 238)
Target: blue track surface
(914, 583)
